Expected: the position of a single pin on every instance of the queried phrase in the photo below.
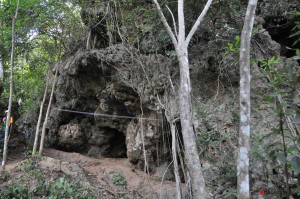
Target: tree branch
(165, 23)
(197, 23)
(174, 22)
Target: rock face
(110, 98)
(97, 107)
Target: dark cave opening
(107, 142)
(117, 145)
(281, 29)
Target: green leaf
(268, 99)
(295, 161)
(281, 158)
(291, 149)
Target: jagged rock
(109, 87)
(70, 134)
(98, 104)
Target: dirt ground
(98, 172)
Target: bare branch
(165, 23)
(174, 22)
(197, 23)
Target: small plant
(28, 153)
(26, 165)
(202, 113)
(60, 188)
(281, 150)
(234, 47)
(17, 191)
(296, 30)
(119, 180)
(229, 193)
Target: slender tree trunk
(189, 139)
(174, 153)
(1, 64)
(244, 134)
(181, 45)
(10, 91)
(286, 171)
(47, 115)
(1, 73)
(39, 121)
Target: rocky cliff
(114, 85)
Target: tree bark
(174, 153)
(10, 91)
(181, 46)
(244, 133)
(1, 74)
(36, 138)
(189, 139)
(1, 64)
(47, 114)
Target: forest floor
(71, 175)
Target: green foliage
(118, 179)
(19, 192)
(35, 184)
(205, 138)
(296, 31)
(63, 188)
(202, 112)
(44, 31)
(281, 150)
(234, 47)
(60, 188)
(230, 193)
(143, 31)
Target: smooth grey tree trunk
(47, 115)
(243, 187)
(36, 138)
(181, 42)
(10, 91)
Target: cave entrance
(107, 142)
(280, 30)
(116, 144)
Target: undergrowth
(30, 181)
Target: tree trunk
(174, 153)
(47, 114)
(1, 64)
(1, 74)
(189, 139)
(181, 45)
(244, 134)
(36, 138)
(10, 91)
